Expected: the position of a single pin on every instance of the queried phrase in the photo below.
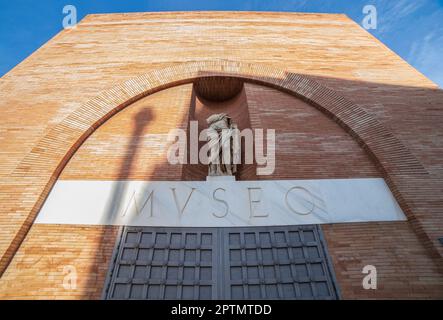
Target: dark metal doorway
(283, 262)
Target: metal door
(276, 263)
(287, 262)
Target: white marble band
(219, 203)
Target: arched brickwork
(34, 177)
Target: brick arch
(46, 160)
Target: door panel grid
(164, 263)
(220, 263)
(276, 263)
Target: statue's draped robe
(224, 146)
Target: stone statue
(224, 145)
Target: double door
(283, 262)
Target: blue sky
(411, 28)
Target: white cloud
(391, 12)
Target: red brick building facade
(86, 105)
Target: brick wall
(405, 270)
(44, 99)
(318, 147)
(41, 269)
(311, 146)
(130, 146)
